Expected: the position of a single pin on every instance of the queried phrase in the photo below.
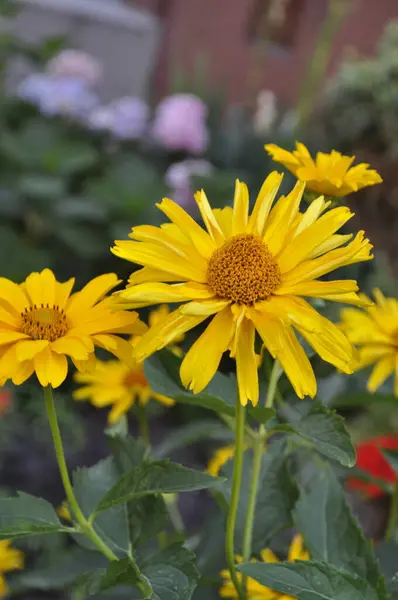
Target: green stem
(235, 491)
(86, 527)
(143, 424)
(393, 517)
(258, 449)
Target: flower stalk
(235, 491)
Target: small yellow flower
(118, 383)
(10, 560)
(256, 591)
(41, 324)
(375, 331)
(329, 174)
(219, 458)
(246, 274)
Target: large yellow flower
(41, 324)
(122, 384)
(255, 590)
(10, 560)
(247, 273)
(375, 332)
(329, 174)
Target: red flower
(371, 461)
(5, 400)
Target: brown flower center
(44, 322)
(243, 270)
(136, 377)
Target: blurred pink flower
(180, 123)
(178, 178)
(76, 64)
(5, 400)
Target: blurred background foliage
(67, 190)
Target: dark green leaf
(192, 433)
(153, 478)
(262, 414)
(82, 240)
(162, 372)
(120, 572)
(70, 158)
(323, 429)
(332, 533)
(392, 457)
(42, 187)
(362, 399)
(310, 580)
(89, 485)
(276, 495)
(25, 515)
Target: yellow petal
(282, 217)
(318, 289)
(383, 369)
(26, 350)
(209, 219)
(224, 219)
(14, 295)
(147, 274)
(246, 363)
(23, 372)
(199, 237)
(296, 550)
(302, 245)
(71, 346)
(163, 399)
(313, 212)
(156, 293)
(92, 293)
(119, 347)
(7, 337)
(263, 203)
(202, 360)
(241, 208)
(204, 307)
(62, 292)
(41, 287)
(51, 369)
(165, 332)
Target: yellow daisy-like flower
(120, 384)
(255, 590)
(219, 458)
(375, 332)
(10, 560)
(41, 324)
(246, 273)
(329, 174)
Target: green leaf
(192, 433)
(387, 554)
(70, 158)
(89, 485)
(323, 429)
(276, 495)
(362, 399)
(83, 241)
(310, 580)
(162, 373)
(331, 532)
(392, 457)
(42, 187)
(262, 414)
(120, 572)
(152, 478)
(25, 515)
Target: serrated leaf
(25, 515)
(323, 429)
(310, 580)
(89, 485)
(119, 572)
(276, 497)
(162, 373)
(162, 477)
(332, 533)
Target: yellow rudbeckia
(375, 332)
(219, 458)
(329, 174)
(247, 274)
(255, 590)
(121, 384)
(10, 560)
(41, 324)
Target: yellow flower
(246, 273)
(219, 458)
(329, 174)
(64, 512)
(256, 591)
(375, 332)
(41, 324)
(10, 560)
(118, 383)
